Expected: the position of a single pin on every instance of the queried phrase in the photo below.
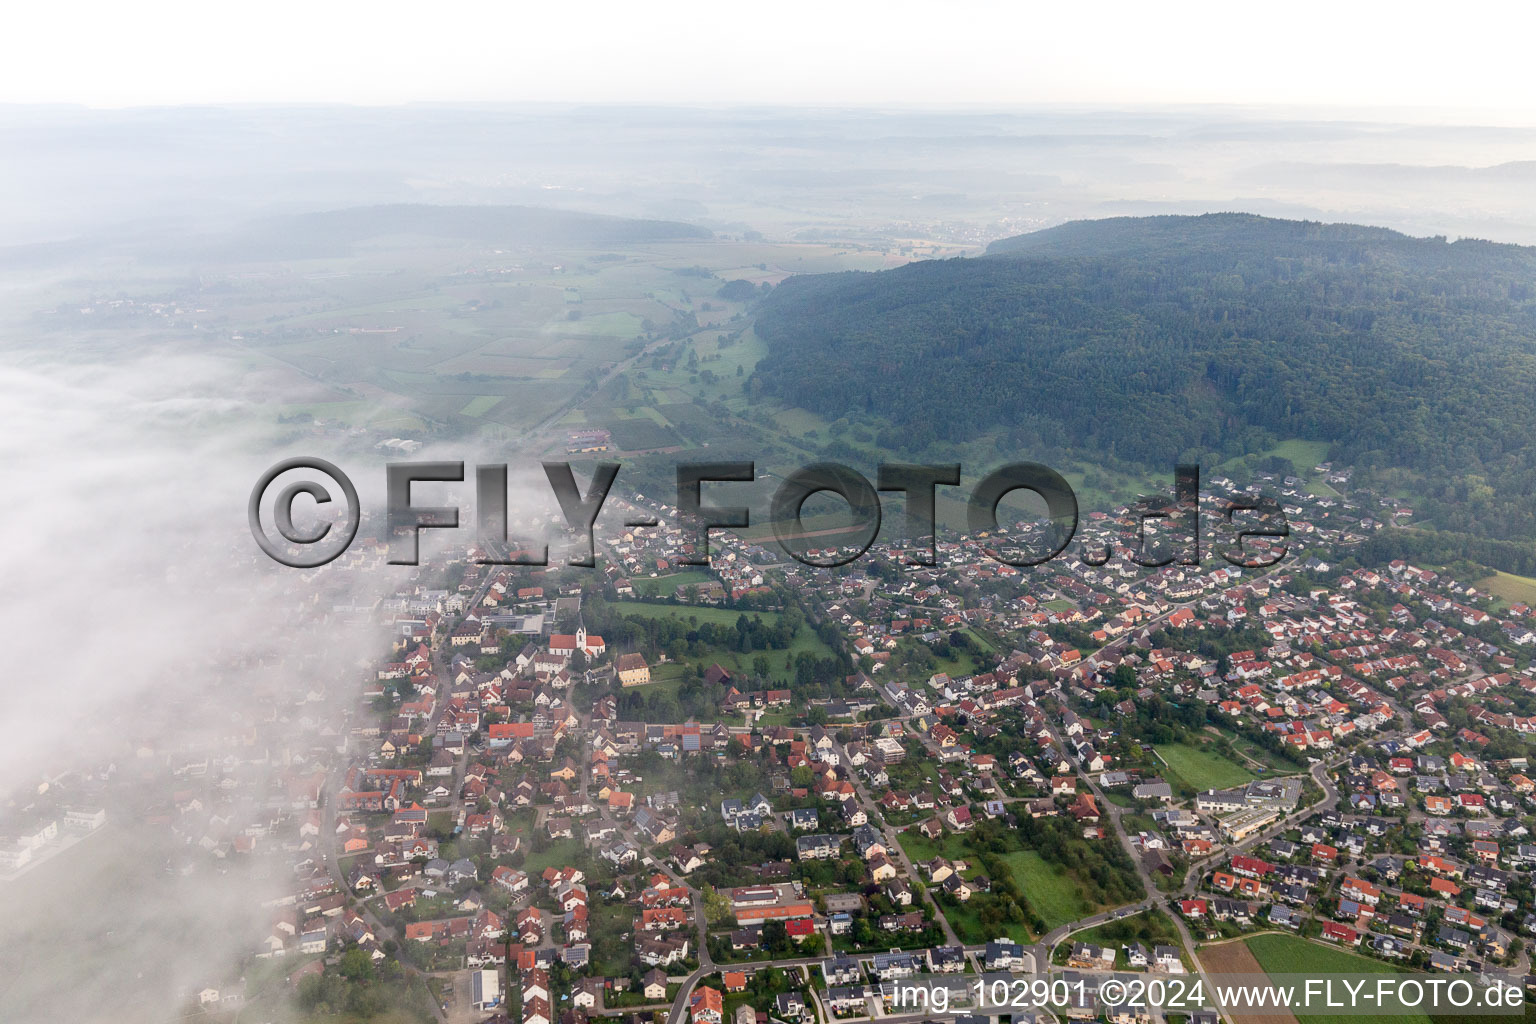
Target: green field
(1289, 954)
(919, 847)
(1303, 454)
(982, 642)
(668, 679)
(1201, 769)
(642, 433)
(557, 854)
(1054, 894)
(1511, 588)
(966, 922)
(686, 612)
(398, 338)
(608, 922)
(479, 405)
(500, 354)
(959, 663)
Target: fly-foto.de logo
(1162, 530)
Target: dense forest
(1146, 341)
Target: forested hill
(1147, 340)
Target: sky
(1470, 59)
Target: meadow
(1201, 769)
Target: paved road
(892, 841)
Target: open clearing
(1202, 769)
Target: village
(769, 792)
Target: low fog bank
(132, 582)
(166, 671)
(159, 669)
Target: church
(563, 645)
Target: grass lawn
(1304, 455)
(919, 847)
(829, 529)
(1245, 746)
(668, 679)
(1290, 954)
(1202, 769)
(982, 643)
(642, 433)
(1138, 823)
(963, 663)
(408, 1001)
(608, 922)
